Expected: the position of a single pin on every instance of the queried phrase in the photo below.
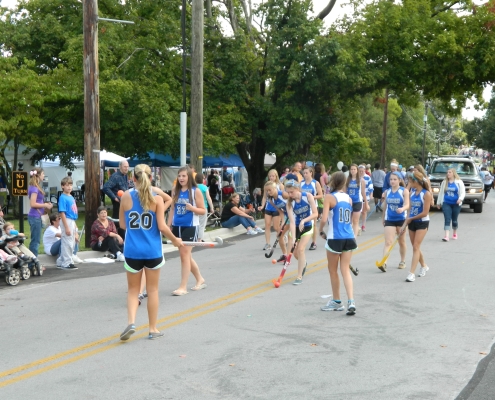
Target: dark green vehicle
(467, 171)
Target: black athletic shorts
(394, 223)
(419, 225)
(377, 192)
(488, 188)
(272, 213)
(357, 207)
(341, 245)
(186, 233)
(134, 265)
(306, 229)
(320, 210)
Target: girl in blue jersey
(337, 212)
(450, 197)
(310, 185)
(396, 201)
(418, 221)
(369, 192)
(356, 189)
(302, 212)
(187, 205)
(142, 216)
(278, 199)
(272, 215)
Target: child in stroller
(18, 249)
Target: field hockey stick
(277, 282)
(355, 271)
(380, 263)
(268, 255)
(373, 209)
(218, 242)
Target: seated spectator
(51, 239)
(104, 236)
(233, 215)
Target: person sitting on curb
(104, 236)
(51, 239)
(233, 215)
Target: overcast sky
(469, 112)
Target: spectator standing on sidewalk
(378, 178)
(118, 181)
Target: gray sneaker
(332, 305)
(351, 307)
(128, 332)
(298, 281)
(267, 247)
(155, 335)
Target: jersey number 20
(144, 220)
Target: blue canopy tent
(232, 160)
(165, 160)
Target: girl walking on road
(302, 212)
(310, 185)
(394, 217)
(369, 192)
(450, 197)
(187, 205)
(340, 242)
(418, 221)
(142, 216)
(272, 215)
(356, 189)
(278, 199)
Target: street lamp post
(425, 119)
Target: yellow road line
(195, 312)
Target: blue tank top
(451, 194)
(394, 201)
(339, 218)
(182, 216)
(417, 204)
(142, 238)
(354, 191)
(280, 202)
(268, 205)
(309, 187)
(302, 210)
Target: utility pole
(183, 114)
(384, 136)
(197, 84)
(425, 119)
(91, 115)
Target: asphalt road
(240, 338)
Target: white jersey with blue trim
(309, 187)
(182, 216)
(394, 200)
(354, 190)
(369, 186)
(339, 218)
(302, 209)
(417, 204)
(143, 240)
(279, 201)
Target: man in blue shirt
(118, 181)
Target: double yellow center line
(43, 365)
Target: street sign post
(20, 188)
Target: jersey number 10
(344, 215)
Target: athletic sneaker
(282, 258)
(423, 271)
(259, 230)
(298, 281)
(76, 259)
(140, 298)
(363, 228)
(454, 236)
(121, 257)
(351, 307)
(410, 278)
(110, 256)
(251, 232)
(332, 305)
(402, 265)
(155, 335)
(446, 239)
(128, 332)
(313, 246)
(378, 208)
(267, 247)
(383, 268)
(72, 266)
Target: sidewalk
(210, 236)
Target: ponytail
(142, 173)
(35, 180)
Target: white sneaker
(121, 258)
(423, 271)
(76, 259)
(251, 232)
(410, 278)
(259, 230)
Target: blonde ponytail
(142, 173)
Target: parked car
(467, 171)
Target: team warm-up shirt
(354, 191)
(451, 193)
(302, 210)
(280, 202)
(394, 200)
(339, 218)
(182, 216)
(417, 204)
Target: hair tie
(34, 172)
(392, 164)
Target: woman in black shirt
(233, 215)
